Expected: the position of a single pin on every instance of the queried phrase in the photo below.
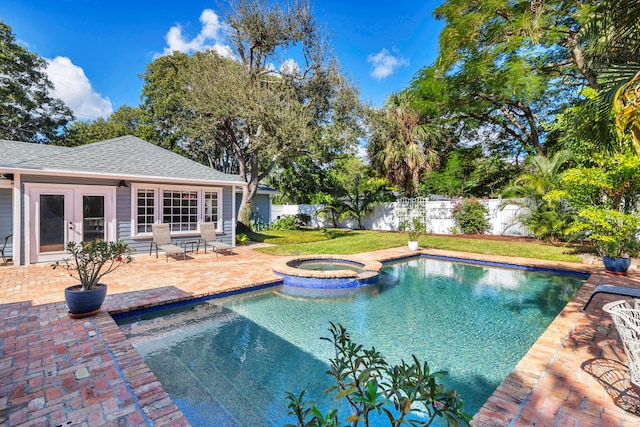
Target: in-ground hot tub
(327, 271)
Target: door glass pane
(92, 218)
(52, 223)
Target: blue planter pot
(84, 303)
(616, 265)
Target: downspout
(17, 220)
(270, 208)
(233, 215)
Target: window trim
(158, 204)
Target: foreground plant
(407, 394)
(90, 261)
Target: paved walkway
(55, 371)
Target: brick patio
(55, 371)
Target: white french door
(59, 214)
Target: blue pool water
(325, 265)
(229, 362)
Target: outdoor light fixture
(123, 184)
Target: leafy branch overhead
(28, 111)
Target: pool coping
(368, 265)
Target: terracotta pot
(616, 265)
(84, 303)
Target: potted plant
(88, 263)
(415, 227)
(613, 233)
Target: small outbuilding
(112, 190)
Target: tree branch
(580, 61)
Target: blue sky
(96, 49)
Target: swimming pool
(230, 361)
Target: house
(113, 190)
(261, 205)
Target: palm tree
(402, 146)
(332, 208)
(543, 174)
(546, 218)
(362, 197)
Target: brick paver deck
(55, 371)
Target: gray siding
(123, 218)
(260, 208)
(227, 216)
(6, 219)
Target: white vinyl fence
(503, 217)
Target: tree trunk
(578, 58)
(244, 213)
(253, 176)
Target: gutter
(102, 175)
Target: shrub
(370, 385)
(470, 216)
(303, 219)
(241, 239)
(548, 220)
(290, 222)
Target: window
(211, 207)
(145, 216)
(181, 208)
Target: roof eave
(101, 175)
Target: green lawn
(344, 242)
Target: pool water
(229, 362)
(324, 265)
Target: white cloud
(210, 37)
(385, 63)
(74, 88)
(290, 67)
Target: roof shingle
(126, 155)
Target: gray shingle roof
(126, 156)
(14, 152)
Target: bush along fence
(502, 217)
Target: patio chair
(162, 241)
(4, 247)
(208, 237)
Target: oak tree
(281, 97)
